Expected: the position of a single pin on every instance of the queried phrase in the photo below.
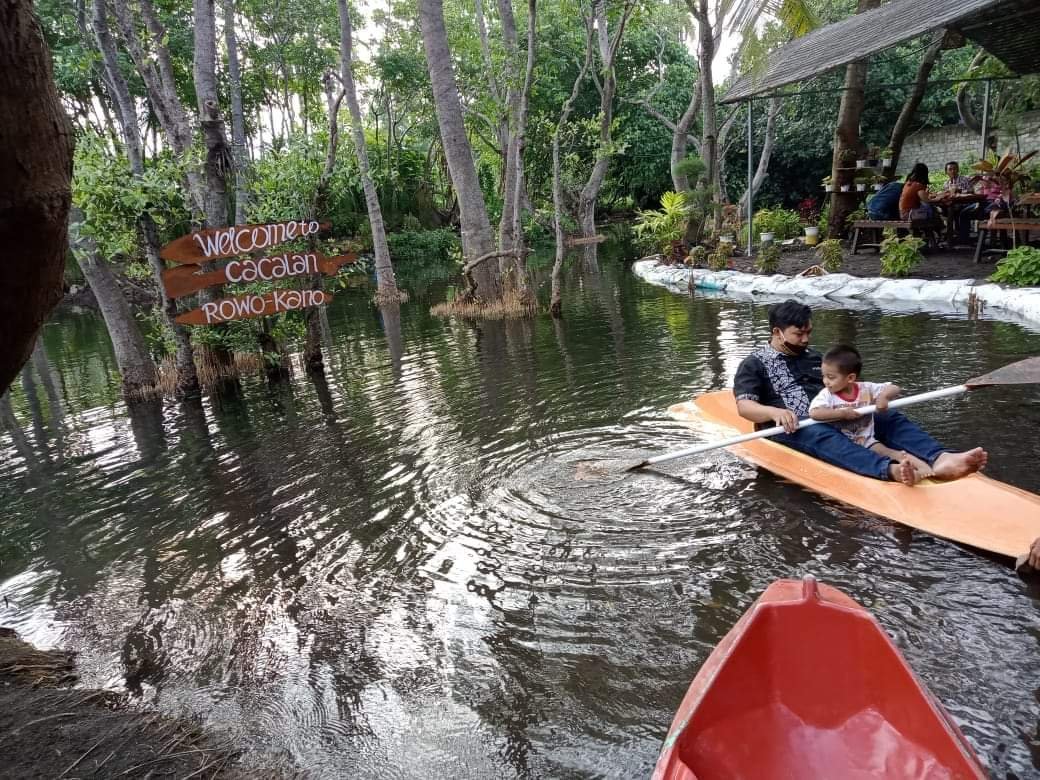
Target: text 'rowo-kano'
(242, 307)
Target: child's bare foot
(904, 472)
(952, 465)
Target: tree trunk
(36, 170)
(846, 137)
(218, 156)
(707, 45)
(238, 119)
(477, 237)
(556, 296)
(157, 74)
(520, 143)
(386, 280)
(313, 360)
(680, 143)
(590, 192)
(913, 100)
(763, 159)
(187, 379)
(135, 364)
(507, 238)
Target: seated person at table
(773, 385)
(843, 394)
(998, 202)
(955, 183)
(914, 200)
(884, 204)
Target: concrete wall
(938, 145)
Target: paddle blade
(607, 468)
(1023, 372)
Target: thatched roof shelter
(1007, 29)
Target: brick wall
(938, 145)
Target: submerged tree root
(50, 731)
(382, 298)
(512, 305)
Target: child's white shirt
(860, 430)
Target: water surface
(394, 573)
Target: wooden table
(951, 206)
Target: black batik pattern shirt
(775, 379)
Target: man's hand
(1034, 554)
(786, 418)
(882, 403)
(849, 413)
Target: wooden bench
(878, 226)
(1022, 227)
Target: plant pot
(876, 187)
(828, 188)
(765, 238)
(861, 188)
(812, 235)
(886, 162)
(846, 187)
(862, 163)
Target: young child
(843, 393)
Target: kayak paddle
(1022, 372)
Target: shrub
(719, 259)
(768, 259)
(782, 223)
(899, 256)
(855, 215)
(698, 255)
(1021, 267)
(829, 254)
(661, 229)
(425, 247)
(809, 211)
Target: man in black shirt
(775, 383)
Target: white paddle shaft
(932, 395)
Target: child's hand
(881, 404)
(849, 413)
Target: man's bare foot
(904, 472)
(953, 465)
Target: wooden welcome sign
(187, 279)
(217, 243)
(244, 307)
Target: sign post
(204, 246)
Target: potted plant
(846, 187)
(886, 158)
(862, 180)
(847, 157)
(828, 185)
(878, 183)
(812, 235)
(765, 239)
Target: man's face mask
(799, 345)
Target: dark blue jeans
(829, 444)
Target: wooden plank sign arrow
(186, 279)
(215, 243)
(244, 307)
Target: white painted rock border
(948, 296)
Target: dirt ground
(49, 730)
(936, 265)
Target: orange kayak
(808, 685)
(974, 510)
